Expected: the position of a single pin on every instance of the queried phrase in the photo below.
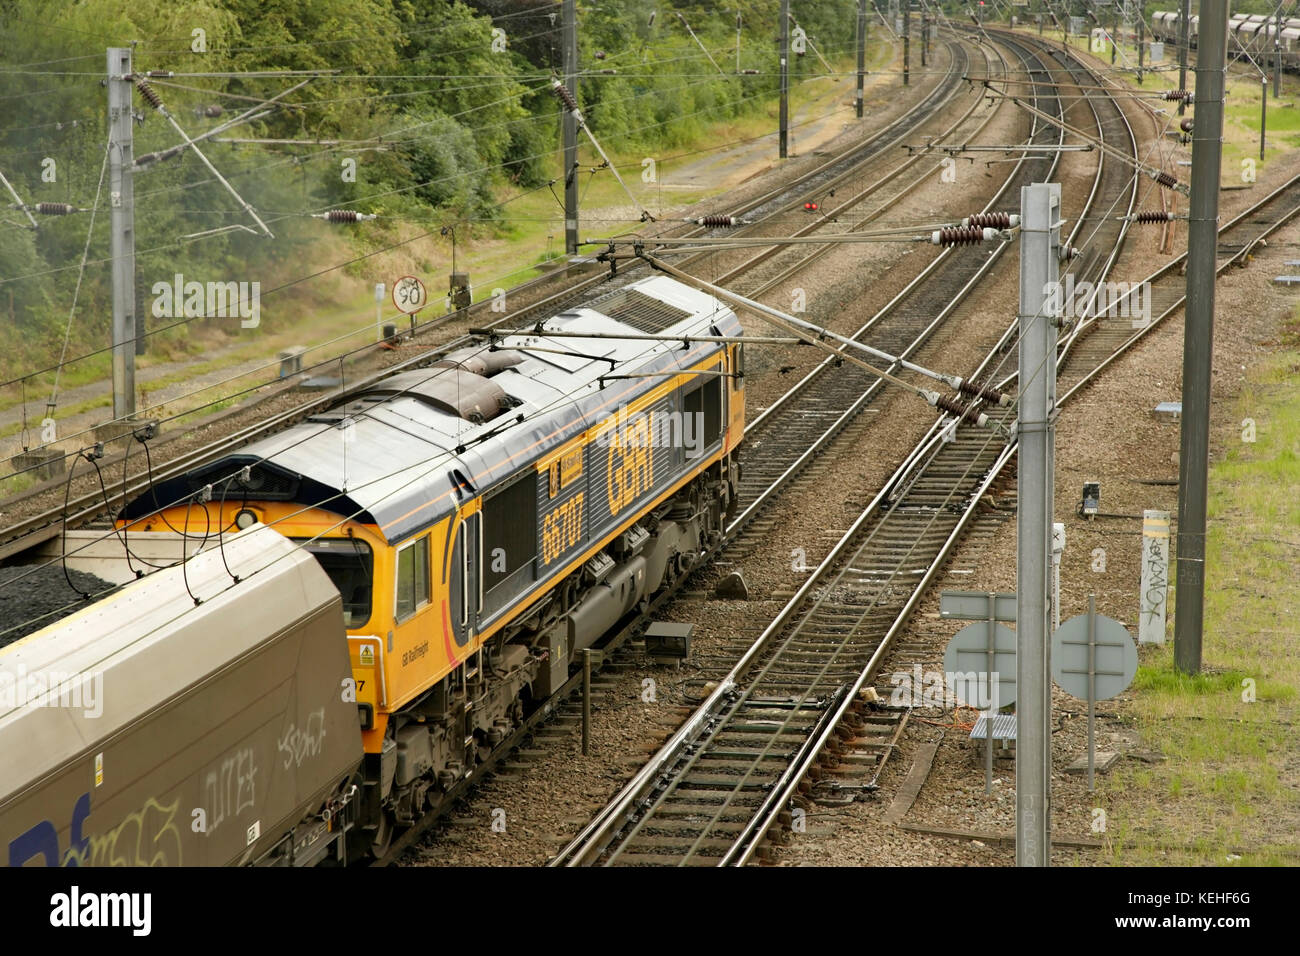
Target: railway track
(726, 778)
(788, 435)
(838, 169)
(815, 411)
(783, 412)
(1098, 340)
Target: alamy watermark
(191, 300)
(931, 688)
(1088, 300)
(85, 690)
(655, 430)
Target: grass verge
(1228, 790)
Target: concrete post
(1040, 246)
(1198, 335)
(121, 187)
(570, 126)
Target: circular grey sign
(1115, 657)
(966, 665)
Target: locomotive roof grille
(639, 310)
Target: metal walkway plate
(1004, 728)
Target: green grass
(1241, 107)
(1222, 791)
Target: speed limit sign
(409, 294)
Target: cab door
(735, 395)
(466, 581)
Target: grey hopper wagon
(176, 734)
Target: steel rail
(595, 837)
(750, 838)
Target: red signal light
(810, 206)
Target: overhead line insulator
(1176, 95)
(963, 412)
(962, 235)
(149, 93)
(717, 222)
(1164, 179)
(343, 215)
(1152, 216)
(55, 208)
(561, 92)
(994, 220)
(991, 395)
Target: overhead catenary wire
(337, 524)
(226, 397)
(255, 112)
(76, 292)
(261, 168)
(1159, 175)
(816, 336)
(312, 275)
(151, 96)
(386, 138)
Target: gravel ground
(37, 592)
(551, 791)
(550, 794)
(1107, 434)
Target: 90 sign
(409, 295)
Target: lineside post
(1040, 250)
(1198, 335)
(1114, 37)
(862, 56)
(907, 39)
(1277, 54)
(785, 79)
(586, 701)
(1184, 18)
(570, 126)
(121, 156)
(1263, 115)
(1141, 39)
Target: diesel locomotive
(482, 520)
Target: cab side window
(412, 577)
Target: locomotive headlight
(245, 519)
